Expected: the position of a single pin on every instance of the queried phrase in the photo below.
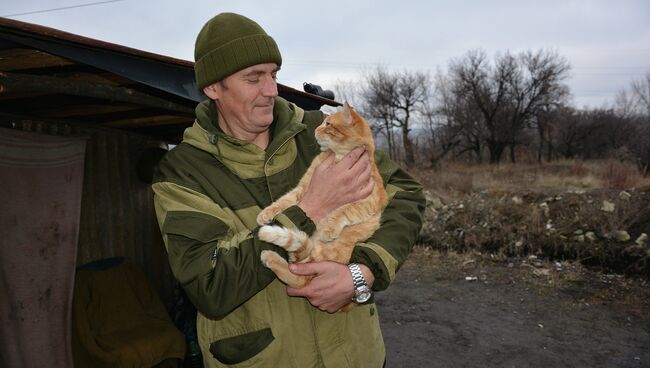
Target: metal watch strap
(357, 276)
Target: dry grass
(454, 180)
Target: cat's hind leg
(280, 267)
(348, 215)
(331, 227)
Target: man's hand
(336, 184)
(331, 288)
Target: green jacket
(207, 196)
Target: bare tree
(567, 133)
(544, 122)
(350, 92)
(392, 101)
(377, 92)
(634, 105)
(641, 95)
(536, 90)
(555, 124)
(640, 147)
(479, 87)
(599, 133)
(443, 131)
(624, 104)
(510, 93)
(452, 122)
(641, 144)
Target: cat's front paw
(329, 234)
(266, 216)
(266, 256)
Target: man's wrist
(313, 212)
(367, 274)
(362, 292)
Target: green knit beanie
(229, 43)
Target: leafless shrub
(617, 175)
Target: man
(248, 147)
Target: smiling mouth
(266, 103)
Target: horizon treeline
(514, 107)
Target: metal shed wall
(117, 214)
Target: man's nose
(270, 88)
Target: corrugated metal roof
(53, 75)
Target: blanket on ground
(119, 320)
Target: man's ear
(212, 91)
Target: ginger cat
(337, 233)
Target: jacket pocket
(236, 349)
(194, 225)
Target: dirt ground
(449, 310)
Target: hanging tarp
(42, 178)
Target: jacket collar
(242, 157)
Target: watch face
(363, 296)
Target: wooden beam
(16, 95)
(84, 110)
(98, 78)
(149, 121)
(21, 59)
(10, 82)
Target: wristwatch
(362, 292)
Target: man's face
(246, 98)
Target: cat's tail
(296, 242)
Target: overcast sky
(607, 43)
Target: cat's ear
(347, 113)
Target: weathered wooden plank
(24, 59)
(24, 82)
(149, 121)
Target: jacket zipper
(268, 186)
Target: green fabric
(239, 348)
(228, 43)
(245, 159)
(216, 259)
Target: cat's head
(343, 131)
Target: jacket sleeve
(218, 267)
(386, 250)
